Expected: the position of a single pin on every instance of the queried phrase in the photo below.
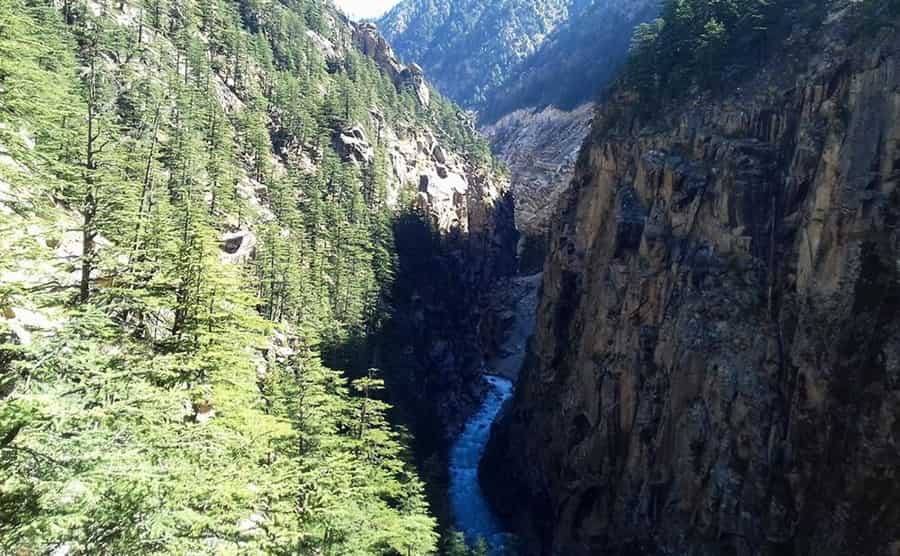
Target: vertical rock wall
(716, 369)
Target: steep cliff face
(540, 148)
(531, 70)
(716, 368)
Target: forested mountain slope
(497, 57)
(532, 71)
(471, 46)
(196, 199)
(715, 366)
(575, 63)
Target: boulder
(199, 412)
(250, 526)
(24, 322)
(439, 154)
(204, 412)
(353, 145)
(280, 346)
(238, 247)
(158, 324)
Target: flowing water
(471, 512)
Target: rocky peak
(371, 43)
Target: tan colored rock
(715, 366)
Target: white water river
(471, 512)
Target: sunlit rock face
(540, 147)
(715, 368)
(530, 70)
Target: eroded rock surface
(540, 147)
(371, 43)
(716, 368)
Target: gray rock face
(354, 146)
(715, 369)
(413, 77)
(371, 43)
(540, 148)
(325, 47)
(238, 247)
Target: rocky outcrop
(353, 145)
(371, 43)
(444, 183)
(716, 367)
(413, 77)
(324, 46)
(540, 147)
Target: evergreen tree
(182, 405)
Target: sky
(365, 8)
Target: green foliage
(38, 85)
(454, 544)
(702, 42)
(177, 403)
(485, 40)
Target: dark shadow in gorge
(428, 344)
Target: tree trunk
(89, 209)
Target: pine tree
(184, 405)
